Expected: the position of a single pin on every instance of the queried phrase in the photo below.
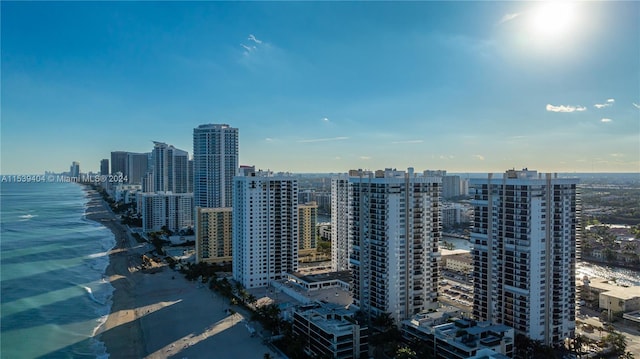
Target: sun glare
(553, 19)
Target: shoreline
(121, 332)
(157, 313)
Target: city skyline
(326, 87)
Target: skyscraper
(393, 229)
(137, 166)
(265, 228)
(170, 168)
(215, 163)
(104, 167)
(524, 235)
(74, 169)
(119, 162)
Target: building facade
(165, 209)
(74, 169)
(340, 224)
(104, 167)
(307, 232)
(459, 338)
(265, 228)
(215, 163)
(213, 235)
(524, 233)
(393, 230)
(119, 162)
(137, 166)
(330, 331)
(170, 168)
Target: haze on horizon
(326, 86)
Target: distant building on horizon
(391, 221)
(119, 162)
(265, 228)
(74, 169)
(137, 166)
(104, 167)
(524, 236)
(170, 168)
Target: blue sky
(326, 86)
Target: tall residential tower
(265, 228)
(393, 229)
(524, 233)
(215, 163)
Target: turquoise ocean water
(52, 262)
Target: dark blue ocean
(52, 262)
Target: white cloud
(508, 17)
(609, 103)
(479, 157)
(617, 155)
(365, 157)
(325, 119)
(562, 108)
(323, 139)
(636, 105)
(269, 139)
(407, 141)
(253, 38)
(338, 158)
(606, 120)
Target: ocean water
(52, 263)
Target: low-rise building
(610, 297)
(459, 338)
(458, 260)
(331, 330)
(126, 193)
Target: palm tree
(405, 353)
(578, 341)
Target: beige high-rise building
(213, 235)
(307, 234)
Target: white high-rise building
(392, 230)
(265, 228)
(215, 163)
(170, 169)
(524, 235)
(165, 209)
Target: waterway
(622, 276)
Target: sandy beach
(159, 314)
